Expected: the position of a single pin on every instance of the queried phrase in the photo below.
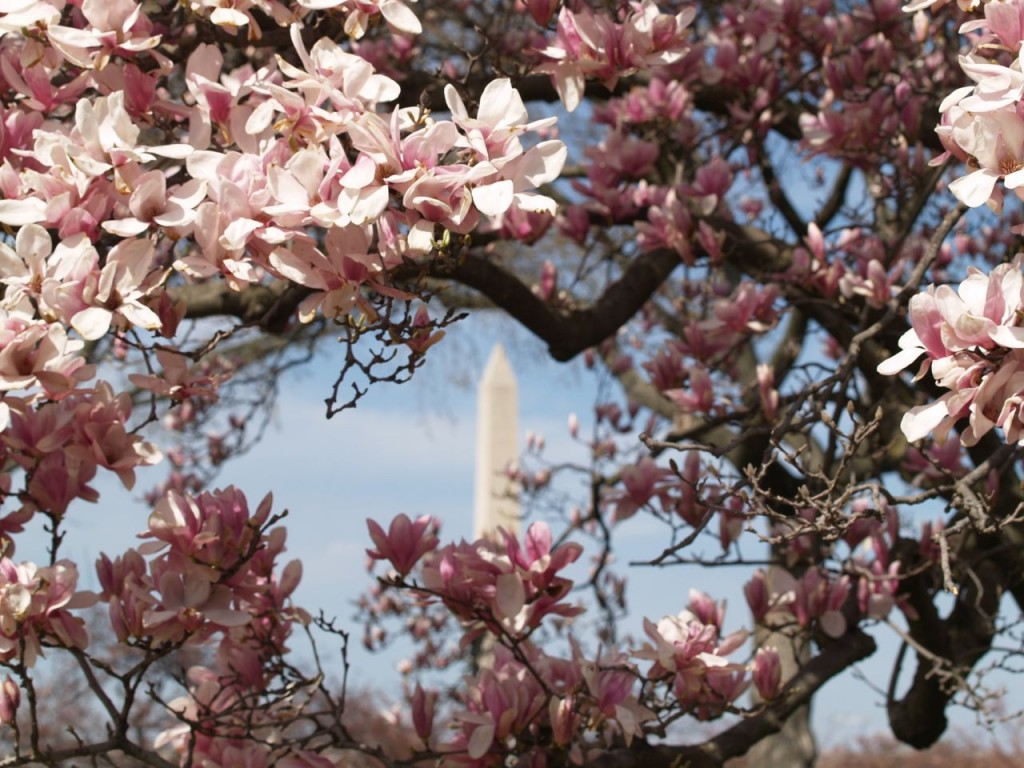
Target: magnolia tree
(743, 212)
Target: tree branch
(567, 333)
(735, 741)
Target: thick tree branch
(737, 740)
(567, 333)
(268, 306)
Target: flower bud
(767, 672)
(562, 721)
(542, 10)
(10, 697)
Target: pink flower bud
(562, 725)
(767, 672)
(423, 712)
(705, 609)
(758, 598)
(171, 314)
(120, 347)
(10, 697)
(542, 10)
(766, 391)
(548, 281)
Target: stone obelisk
(497, 447)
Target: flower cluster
(815, 599)
(36, 606)
(981, 123)
(508, 586)
(690, 652)
(972, 341)
(214, 573)
(589, 45)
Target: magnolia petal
(125, 227)
(494, 199)
(421, 237)
(500, 105)
(543, 162)
(294, 267)
(17, 213)
(226, 617)
(237, 234)
(899, 361)
(528, 201)
(290, 577)
(454, 102)
(922, 419)
(229, 17)
(510, 595)
(1007, 336)
(481, 740)
(140, 315)
(569, 84)
(400, 17)
(175, 216)
(73, 38)
(833, 624)
(173, 151)
(975, 188)
(92, 323)
(260, 118)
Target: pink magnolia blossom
(36, 605)
(33, 352)
(508, 587)
(184, 603)
(25, 267)
(358, 13)
(590, 45)
(125, 279)
(821, 598)
(101, 419)
(700, 397)
(113, 26)
(995, 140)
(509, 699)
(690, 653)
(180, 381)
(642, 483)
(612, 682)
(973, 346)
(150, 204)
(405, 542)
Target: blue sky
(410, 449)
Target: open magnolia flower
(973, 344)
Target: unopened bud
(423, 712)
(767, 673)
(10, 697)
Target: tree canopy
(783, 227)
